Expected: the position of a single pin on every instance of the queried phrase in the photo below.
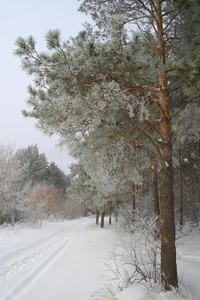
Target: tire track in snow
(38, 261)
(21, 288)
(7, 255)
(9, 271)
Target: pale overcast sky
(24, 18)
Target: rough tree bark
(110, 212)
(168, 250)
(191, 184)
(198, 154)
(102, 217)
(181, 189)
(133, 202)
(189, 171)
(156, 204)
(97, 216)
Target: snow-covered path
(55, 262)
(66, 261)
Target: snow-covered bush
(42, 203)
(105, 293)
(47, 198)
(136, 254)
(71, 209)
(188, 228)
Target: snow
(66, 261)
(62, 260)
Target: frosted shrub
(71, 209)
(105, 293)
(136, 254)
(12, 201)
(187, 229)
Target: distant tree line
(37, 170)
(31, 189)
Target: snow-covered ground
(66, 261)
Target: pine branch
(185, 106)
(150, 139)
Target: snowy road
(55, 262)
(66, 261)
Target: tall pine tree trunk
(198, 154)
(137, 197)
(116, 211)
(168, 250)
(155, 190)
(169, 275)
(102, 217)
(110, 212)
(133, 202)
(181, 189)
(191, 184)
(189, 171)
(97, 216)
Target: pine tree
(33, 164)
(57, 178)
(107, 94)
